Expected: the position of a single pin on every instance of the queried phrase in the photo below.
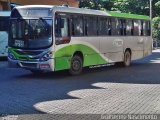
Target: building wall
(1, 6)
(73, 3)
(4, 4)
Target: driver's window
(61, 26)
(64, 27)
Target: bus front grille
(28, 65)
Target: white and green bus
(54, 38)
(4, 25)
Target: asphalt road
(21, 92)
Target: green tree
(137, 6)
(141, 7)
(156, 20)
(156, 8)
(128, 6)
(132, 6)
(156, 28)
(97, 4)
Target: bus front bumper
(44, 66)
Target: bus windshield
(31, 33)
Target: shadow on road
(20, 89)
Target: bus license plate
(19, 43)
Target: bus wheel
(127, 58)
(126, 61)
(76, 65)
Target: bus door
(62, 38)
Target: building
(4, 4)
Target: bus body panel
(136, 44)
(95, 50)
(88, 46)
(112, 48)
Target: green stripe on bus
(64, 55)
(18, 56)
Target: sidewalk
(110, 98)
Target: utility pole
(151, 14)
(151, 9)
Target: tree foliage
(141, 7)
(156, 28)
(132, 6)
(137, 6)
(97, 4)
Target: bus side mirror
(62, 23)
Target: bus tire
(76, 65)
(127, 58)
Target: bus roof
(129, 16)
(89, 11)
(5, 13)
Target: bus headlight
(46, 56)
(11, 56)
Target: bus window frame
(98, 17)
(66, 39)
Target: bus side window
(124, 27)
(109, 27)
(142, 28)
(137, 28)
(129, 27)
(103, 26)
(121, 27)
(91, 26)
(57, 27)
(85, 26)
(77, 25)
(114, 26)
(62, 27)
(148, 28)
